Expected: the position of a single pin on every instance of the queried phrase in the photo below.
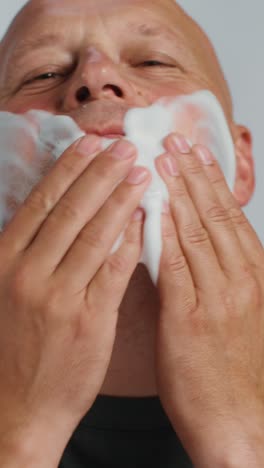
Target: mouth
(113, 136)
(111, 131)
(104, 118)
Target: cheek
(192, 121)
(187, 119)
(169, 89)
(22, 104)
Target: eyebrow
(37, 43)
(28, 45)
(148, 31)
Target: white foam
(28, 150)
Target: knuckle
(117, 264)
(69, 210)
(190, 307)
(217, 178)
(196, 235)
(237, 216)
(194, 168)
(177, 191)
(176, 263)
(124, 197)
(229, 303)
(67, 165)
(104, 167)
(21, 286)
(252, 294)
(169, 231)
(218, 214)
(38, 202)
(92, 237)
(120, 198)
(53, 305)
(198, 319)
(133, 235)
(248, 299)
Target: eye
(45, 77)
(153, 63)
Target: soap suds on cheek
(201, 119)
(198, 116)
(21, 165)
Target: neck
(132, 367)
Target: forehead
(68, 20)
(48, 11)
(88, 6)
(97, 6)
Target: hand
(60, 292)
(210, 336)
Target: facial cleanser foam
(45, 136)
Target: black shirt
(124, 432)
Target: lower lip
(113, 136)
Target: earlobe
(245, 174)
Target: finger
(79, 205)
(114, 275)
(93, 244)
(250, 243)
(213, 215)
(175, 278)
(46, 195)
(196, 244)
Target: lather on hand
(210, 336)
(59, 296)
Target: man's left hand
(210, 335)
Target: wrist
(233, 452)
(35, 444)
(227, 443)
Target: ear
(245, 175)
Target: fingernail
(122, 149)
(181, 144)
(205, 156)
(170, 165)
(138, 215)
(137, 176)
(89, 145)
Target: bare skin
(118, 80)
(60, 291)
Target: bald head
(186, 37)
(95, 59)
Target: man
(93, 60)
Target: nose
(97, 77)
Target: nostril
(118, 92)
(83, 94)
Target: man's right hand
(60, 290)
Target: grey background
(237, 32)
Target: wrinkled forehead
(146, 17)
(87, 6)
(102, 7)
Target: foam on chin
(198, 116)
